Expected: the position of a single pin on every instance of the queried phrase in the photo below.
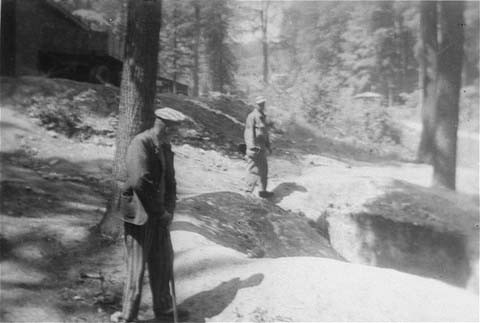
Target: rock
(52, 134)
(53, 161)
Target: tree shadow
(32, 187)
(4, 125)
(285, 189)
(39, 211)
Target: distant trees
(176, 39)
(195, 41)
(137, 93)
(363, 45)
(220, 59)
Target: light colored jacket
(256, 131)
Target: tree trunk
(448, 86)
(196, 54)
(137, 93)
(175, 50)
(428, 71)
(264, 25)
(8, 37)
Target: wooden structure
(40, 37)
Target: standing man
(258, 145)
(146, 206)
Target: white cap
(170, 114)
(260, 99)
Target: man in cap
(146, 206)
(258, 144)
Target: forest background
(309, 58)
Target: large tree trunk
(137, 93)
(428, 72)
(450, 56)
(196, 50)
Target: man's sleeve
(267, 138)
(249, 134)
(141, 177)
(170, 182)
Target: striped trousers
(257, 169)
(147, 244)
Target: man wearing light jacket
(257, 143)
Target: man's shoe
(117, 317)
(265, 194)
(167, 316)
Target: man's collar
(259, 112)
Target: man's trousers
(257, 169)
(149, 244)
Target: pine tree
(220, 58)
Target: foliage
(58, 115)
(220, 58)
(176, 38)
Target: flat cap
(170, 114)
(260, 99)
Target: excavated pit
(374, 240)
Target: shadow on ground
(285, 189)
(46, 239)
(210, 303)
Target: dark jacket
(150, 188)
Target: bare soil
(238, 258)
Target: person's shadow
(212, 302)
(285, 189)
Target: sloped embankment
(251, 225)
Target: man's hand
(167, 218)
(253, 152)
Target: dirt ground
(238, 258)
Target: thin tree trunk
(264, 26)
(175, 45)
(428, 71)
(196, 54)
(137, 93)
(448, 86)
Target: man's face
(261, 107)
(169, 130)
